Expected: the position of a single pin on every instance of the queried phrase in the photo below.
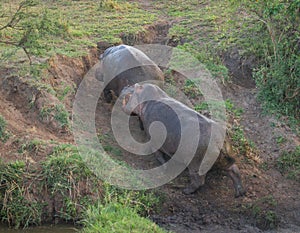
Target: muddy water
(42, 229)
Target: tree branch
(19, 46)
(16, 17)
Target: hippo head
(135, 97)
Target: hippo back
(125, 65)
(170, 113)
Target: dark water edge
(60, 228)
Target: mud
(240, 67)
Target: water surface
(60, 228)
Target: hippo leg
(234, 174)
(196, 182)
(161, 157)
(107, 95)
(141, 124)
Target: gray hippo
(125, 65)
(152, 104)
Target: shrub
(277, 31)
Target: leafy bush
(30, 27)
(277, 34)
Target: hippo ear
(138, 88)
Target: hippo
(125, 65)
(164, 109)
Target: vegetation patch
(4, 135)
(57, 113)
(244, 147)
(38, 28)
(289, 163)
(62, 180)
(18, 207)
(269, 30)
(263, 212)
(69, 179)
(115, 217)
(122, 211)
(63, 187)
(276, 29)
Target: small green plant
(61, 115)
(191, 89)
(280, 140)
(45, 113)
(32, 146)
(114, 150)
(264, 166)
(105, 140)
(289, 163)
(201, 107)
(4, 135)
(108, 4)
(239, 140)
(58, 113)
(263, 212)
(237, 112)
(61, 94)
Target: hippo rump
(164, 109)
(125, 65)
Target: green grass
(4, 135)
(233, 110)
(65, 175)
(58, 113)
(266, 29)
(71, 27)
(63, 178)
(17, 209)
(205, 27)
(289, 163)
(122, 211)
(117, 218)
(33, 146)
